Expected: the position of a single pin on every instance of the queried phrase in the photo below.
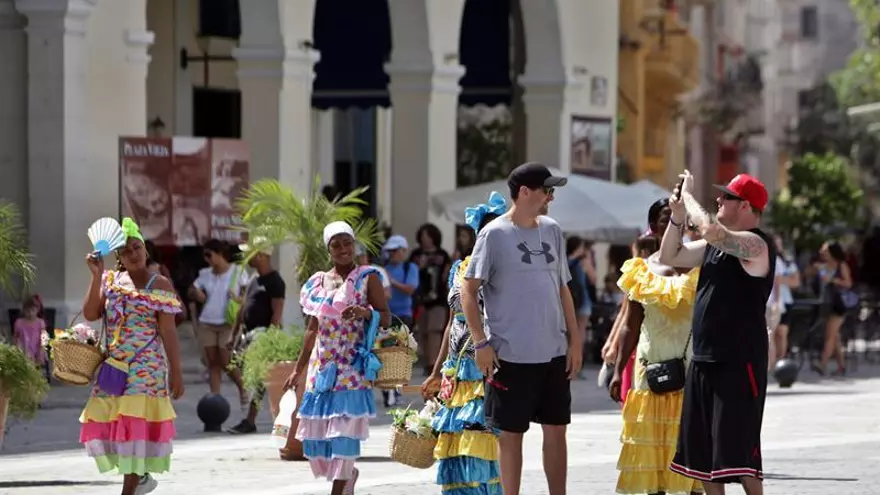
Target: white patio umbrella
(650, 189)
(599, 210)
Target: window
(219, 19)
(217, 113)
(809, 23)
(804, 101)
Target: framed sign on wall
(591, 146)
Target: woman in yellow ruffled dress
(660, 303)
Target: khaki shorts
(213, 335)
(433, 320)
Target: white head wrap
(335, 228)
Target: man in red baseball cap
(726, 382)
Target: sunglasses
(549, 190)
(730, 197)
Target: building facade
(805, 41)
(659, 63)
(77, 74)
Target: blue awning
(484, 51)
(354, 39)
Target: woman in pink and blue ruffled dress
(345, 305)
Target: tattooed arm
(745, 245)
(675, 252)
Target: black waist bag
(666, 376)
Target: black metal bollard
(213, 410)
(786, 372)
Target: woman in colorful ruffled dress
(466, 450)
(659, 303)
(338, 400)
(128, 421)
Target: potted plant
(22, 385)
(269, 360)
(277, 215)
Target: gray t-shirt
(522, 271)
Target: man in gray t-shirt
(530, 347)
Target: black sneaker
(242, 428)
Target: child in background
(29, 332)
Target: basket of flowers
(75, 354)
(396, 349)
(412, 437)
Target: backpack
(575, 287)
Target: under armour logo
(528, 253)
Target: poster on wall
(591, 150)
(181, 191)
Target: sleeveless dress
(651, 421)
(466, 449)
(132, 433)
(334, 423)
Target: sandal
(287, 455)
(348, 489)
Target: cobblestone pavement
(819, 438)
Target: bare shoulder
(163, 283)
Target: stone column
(275, 72)
(58, 136)
(425, 74)
(424, 158)
(548, 110)
(13, 110)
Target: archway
(351, 84)
(491, 118)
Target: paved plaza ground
(820, 437)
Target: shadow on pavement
(53, 483)
(786, 477)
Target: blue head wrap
(496, 205)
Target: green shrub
(267, 349)
(21, 381)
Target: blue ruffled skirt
(332, 426)
(467, 451)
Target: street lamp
(156, 127)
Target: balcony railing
(674, 54)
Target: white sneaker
(146, 485)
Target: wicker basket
(397, 367)
(411, 450)
(75, 363)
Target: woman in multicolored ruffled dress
(466, 450)
(128, 427)
(334, 415)
(660, 302)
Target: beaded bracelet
(481, 344)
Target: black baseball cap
(533, 175)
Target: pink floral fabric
(324, 296)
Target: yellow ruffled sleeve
(641, 285)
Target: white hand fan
(106, 235)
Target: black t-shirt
(432, 285)
(729, 311)
(258, 297)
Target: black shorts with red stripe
(720, 436)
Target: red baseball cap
(748, 189)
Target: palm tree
(274, 212)
(16, 262)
